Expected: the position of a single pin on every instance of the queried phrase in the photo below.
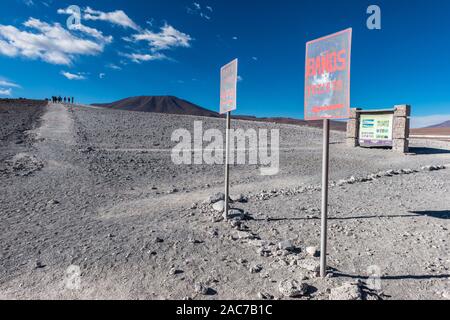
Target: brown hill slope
(445, 124)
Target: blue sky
(176, 47)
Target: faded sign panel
(327, 77)
(228, 87)
(376, 130)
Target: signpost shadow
(427, 151)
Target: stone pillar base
(401, 145)
(352, 142)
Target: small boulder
(293, 288)
(215, 198)
(239, 198)
(309, 264)
(348, 291)
(286, 245)
(202, 289)
(219, 206)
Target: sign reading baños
(327, 77)
(327, 96)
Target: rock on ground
(348, 291)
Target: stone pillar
(401, 128)
(353, 128)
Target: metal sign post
(228, 93)
(324, 227)
(227, 167)
(327, 96)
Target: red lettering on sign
(326, 108)
(326, 63)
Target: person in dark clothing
(64, 99)
(72, 100)
(59, 99)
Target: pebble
(265, 296)
(174, 271)
(202, 289)
(446, 295)
(312, 251)
(256, 268)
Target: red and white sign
(327, 77)
(228, 86)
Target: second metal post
(324, 227)
(227, 167)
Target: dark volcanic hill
(445, 124)
(159, 104)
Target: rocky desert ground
(92, 207)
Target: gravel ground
(93, 207)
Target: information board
(376, 129)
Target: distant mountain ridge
(174, 105)
(445, 124)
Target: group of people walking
(60, 99)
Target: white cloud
(69, 11)
(240, 79)
(93, 33)
(255, 58)
(167, 38)
(196, 9)
(426, 121)
(8, 84)
(28, 3)
(113, 66)
(50, 43)
(5, 92)
(102, 75)
(72, 76)
(138, 57)
(117, 17)
(235, 38)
